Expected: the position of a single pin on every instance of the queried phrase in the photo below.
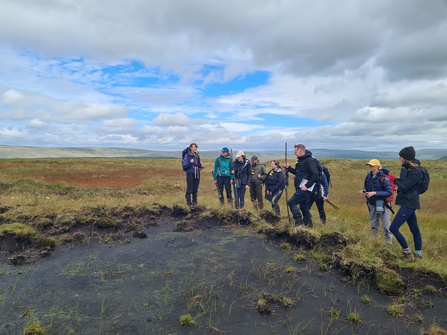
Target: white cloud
(177, 119)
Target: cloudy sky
(251, 74)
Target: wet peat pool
(217, 276)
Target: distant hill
(39, 152)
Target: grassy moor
(108, 246)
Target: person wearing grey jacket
(258, 173)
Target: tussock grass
(18, 230)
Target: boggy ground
(141, 270)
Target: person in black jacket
(306, 175)
(408, 198)
(274, 185)
(242, 176)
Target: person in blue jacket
(376, 189)
(274, 186)
(222, 174)
(408, 198)
(192, 166)
(319, 195)
(242, 176)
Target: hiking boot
(417, 256)
(309, 223)
(299, 223)
(389, 240)
(408, 256)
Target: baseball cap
(374, 162)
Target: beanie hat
(408, 153)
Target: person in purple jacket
(192, 166)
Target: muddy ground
(139, 271)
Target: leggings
(407, 215)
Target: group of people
(311, 186)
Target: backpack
(184, 153)
(391, 177)
(425, 181)
(323, 169)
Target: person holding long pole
(242, 176)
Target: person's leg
(293, 205)
(275, 202)
(400, 218)
(227, 189)
(253, 195)
(373, 220)
(259, 196)
(320, 205)
(311, 200)
(414, 228)
(241, 195)
(220, 185)
(189, 188)
(304, 206)
(196, 183)
(386, 222)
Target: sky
(250, 75)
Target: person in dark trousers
(258, 173)
(376, 193)
(242, 175)
(192, 166)
(408, 200)
(222, 175)
(306, 175)
(274, 186)
(319, 195)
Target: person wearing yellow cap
(376, 189)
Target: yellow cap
(374, 162)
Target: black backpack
(184, 153)
(425, 181)
(323, 169)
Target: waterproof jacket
(407, 184)
(305, 168)
(275, 181)
(242, 171)
(255, 170)
(222, 167)
(373, 183)
(194, 166)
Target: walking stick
(217, 186)
(287, 184)
(332, 204)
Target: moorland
(108, 246)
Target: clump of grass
(334, 313)
(366, 299)
(290, 270)
(45, 242)
(186, 320)
(417, 318)
(287, 302)
(34, 327)
(299, 257)
(263, 306)
(430, 289)
(436, 331)
(389, 282)
(19, 230)
(353, 317)
(286, 246)
(395, 310)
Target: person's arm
(411, 180)
(385, 189)
(325, 186)
(313, 173)
(263, 172)
(216, 168)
